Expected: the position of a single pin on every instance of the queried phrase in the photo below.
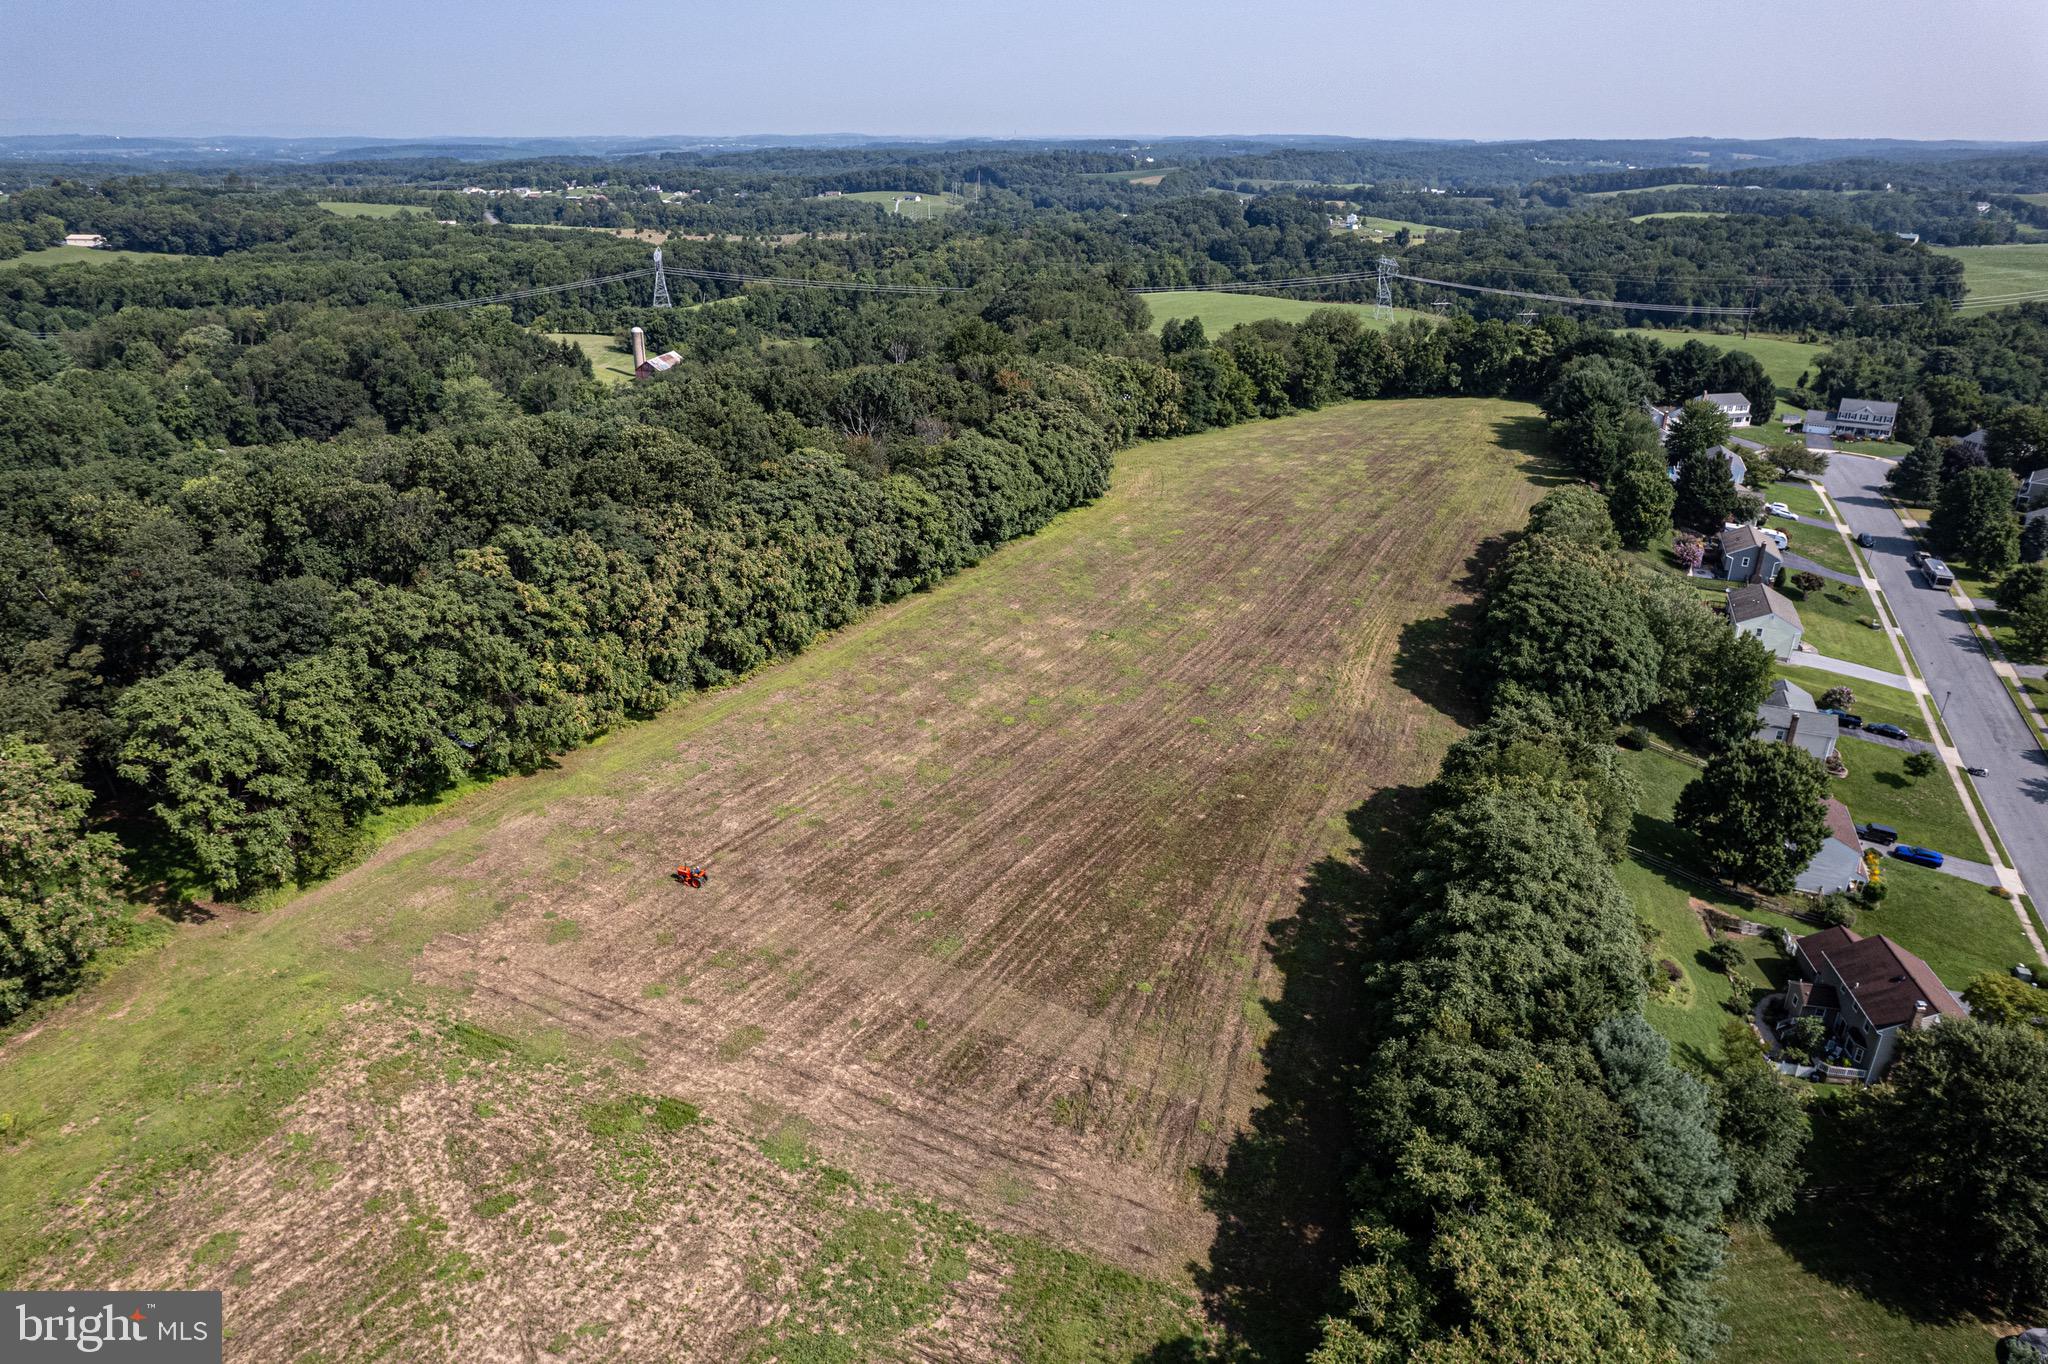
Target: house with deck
(1867, 993)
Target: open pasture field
(85, 255)
(1221, 312)
(1994, 271)
(979, 981)
(351, 208)
(927, 205)
(610, 363)
(1783, 358)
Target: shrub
(1919, 764)
(1837, 698)
(1807, 581)
(1835, 911)
(1873, 892)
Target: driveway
(1799, 563)
(1843, 667)
(1988, 731)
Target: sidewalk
(1845, 668)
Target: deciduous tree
(1757, 812)
(58, 879)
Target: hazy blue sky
(1444, 68)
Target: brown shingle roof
(1842, 825)
(1742, 537)
(1887, 982)
(1754, 600)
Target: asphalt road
(1988, 731)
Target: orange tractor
(693, 875)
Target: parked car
(1924, 857)
(1976, 771)
(1845, 719)
(1780, 509)
(1914, 558)
(1878, 833)
(1884, 731)
(1866, 539)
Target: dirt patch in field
(454, 1198)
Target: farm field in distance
(351, 208)
(1220, 312)
(1783, 358)
(1990, 271)
(86, 255)
(927, 205)
(980, 978)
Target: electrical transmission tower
(1383, 301)
(661, 298)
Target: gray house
(1817, 423)
(1789, 716)
(1865, 992)
(1865, 419)
(1748, 555)
(1839, 863)
(1737, 469)
(1757, 609)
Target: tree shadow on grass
(1434, 661)
(1279, 1194)
(1530, 436)
(1835, 1235)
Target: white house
(1733, 406)
(2033, 490)
(1838, 866)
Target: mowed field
(351, 208)
(607, 361)
(85, 255)
(1221, 312)
(1998, 272)
(978, 985)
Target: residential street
(1987, 729)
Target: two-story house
(1865, 419)
(1733, 406)
(1748, 555)
(1866, 992)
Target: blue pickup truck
(1926, 857)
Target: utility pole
(661, 298)
(1383, 298)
